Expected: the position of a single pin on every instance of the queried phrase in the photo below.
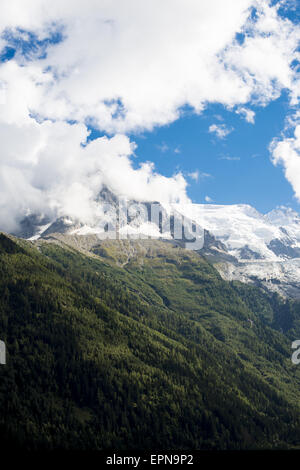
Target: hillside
(141, 345)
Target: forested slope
(151, 352)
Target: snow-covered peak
(244, 243)
(237, 226)
(245, 232)
(283, 216)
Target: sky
(234, 169)
(176, 101)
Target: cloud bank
(122, 66)
(286, 152)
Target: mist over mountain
(243, 244)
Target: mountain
(242, 243)
(265, 248)
(119, 218)
(140, 344)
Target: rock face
(242, 243)
(265, 249)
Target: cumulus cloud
(123, 66)
(286, 152)
(220, 130)
(248, 114)
(145, 62)
(126, 66)
(63, 175)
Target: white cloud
(127, 65)
(220, 130)
(248, 114)
(286, 152)
(266, 55)
(198, 175)
(208, 199)
(194, 175)
(229, 158)
(46, 169)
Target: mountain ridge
(243, 244)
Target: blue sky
(233, 170)
(236, 169)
